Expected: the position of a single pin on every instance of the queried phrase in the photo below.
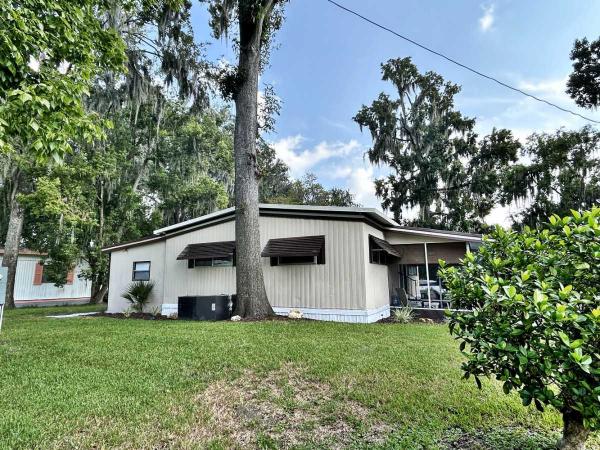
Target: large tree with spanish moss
(253, 23)
(438, 166)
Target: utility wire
(477, 72)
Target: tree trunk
(11, 250)
(251, 294)
(574, 433)
(99, 291)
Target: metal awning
(207, 250)
(294, 246)
(385, 246)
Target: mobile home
(346, 264)
(32, 287)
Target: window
(292, 260)
(141, 271)
(221, 261)
(378, 256)
(42, 276)
(45, 276)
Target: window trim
(133, 271)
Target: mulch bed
(135, 315)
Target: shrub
(534, 319)
(138, 294)
(404, 314)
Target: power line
(453, 61)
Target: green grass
(108, 383)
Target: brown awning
(208, 250)
(294, 246)
(385, 246)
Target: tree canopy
(530, 317)
(584, 82)
(556, 172)
(437, 165)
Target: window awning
(208, 250)
(385, 246)
(294, 246)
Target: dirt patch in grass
(283, 409)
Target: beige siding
(337, 284)
(376, 275)
(181, 281)
(121, 273)
(26, 291)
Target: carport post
(427, 275)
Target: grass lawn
(95, 382)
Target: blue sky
(328, 65)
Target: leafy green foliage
(41, 109)
(584, 83)
(138, 294)
(534, 313)
(438, 167)
(556, 172)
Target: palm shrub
(138, 294)
(534, 317)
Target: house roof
(369, 215)
(266, 209)
(26, 252)
(452, 235)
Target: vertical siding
(377, 282)
(339, 283)
(26, 291)
(121, 272)
(181, 281)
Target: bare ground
(284, 408)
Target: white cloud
(360, 180)
(300, 159)
(487, 20)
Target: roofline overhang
(293, 210)
(434, 233)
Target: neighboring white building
(32, 288)
(331, 263)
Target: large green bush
(533, 317)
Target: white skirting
(339, 315)
(331, 315)
(169, 309)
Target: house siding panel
(376, 275)
(121, 272)
(337, 284)
(26, 292)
